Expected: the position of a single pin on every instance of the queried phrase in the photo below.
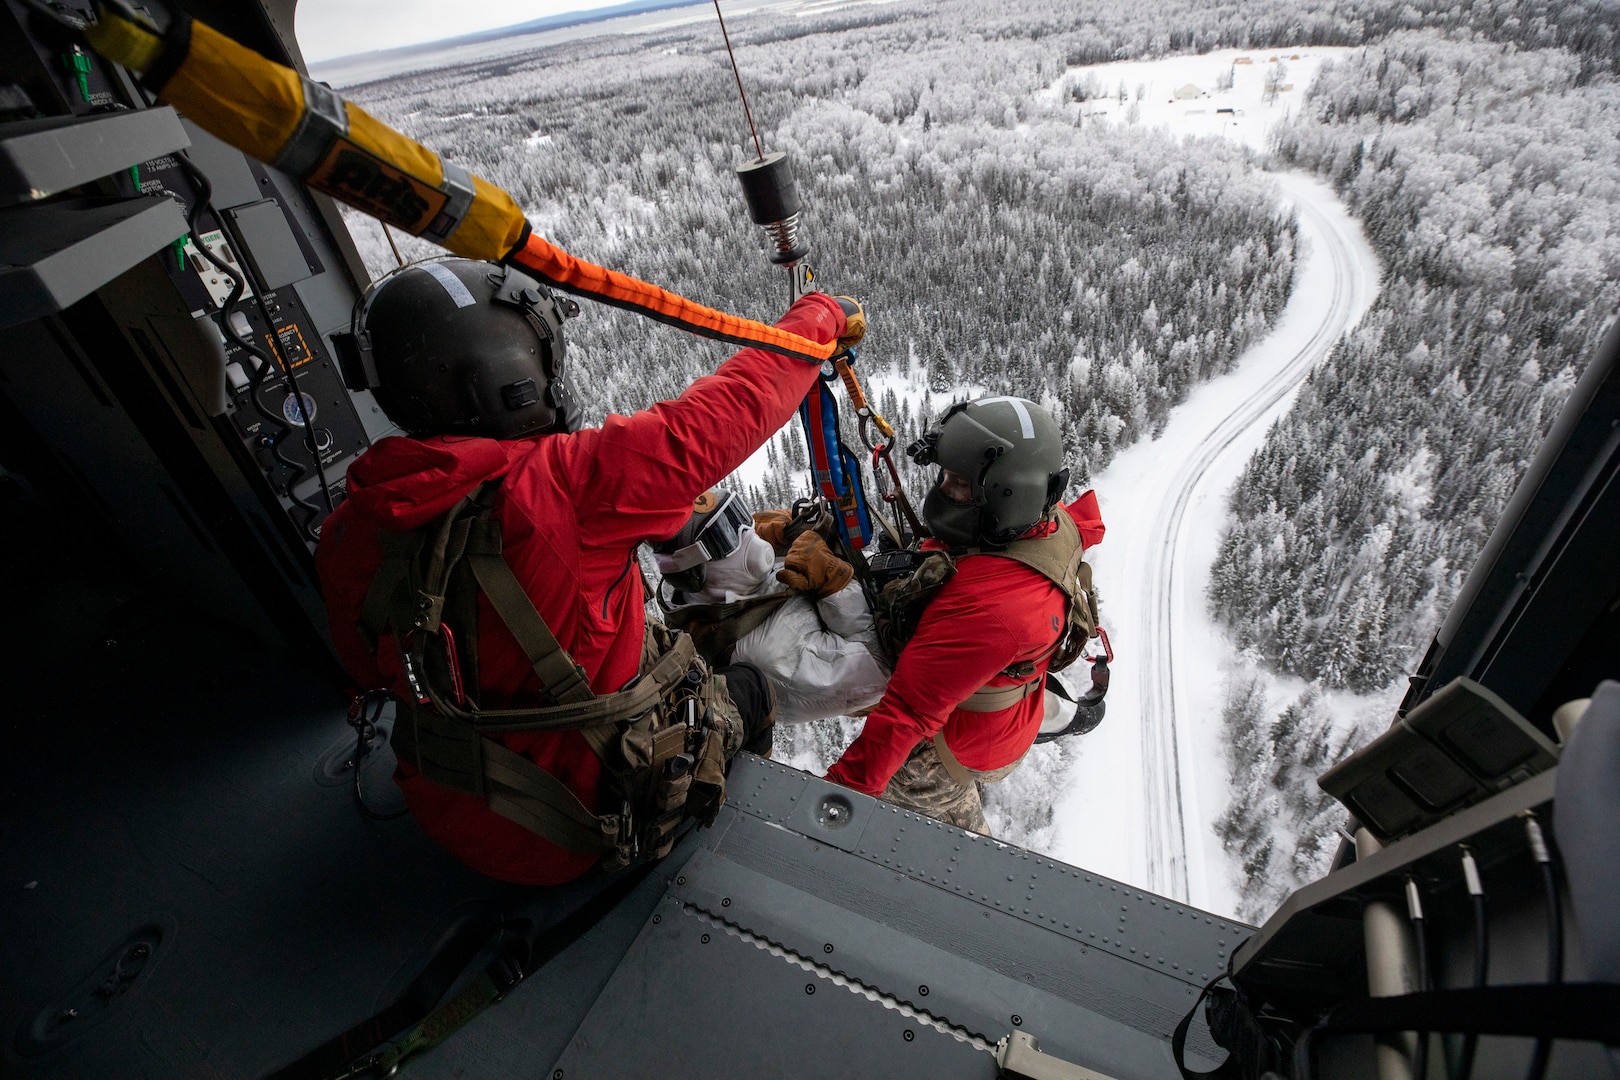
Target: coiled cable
(265, 364)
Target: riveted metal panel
(994, 939)
(926, 973)
(1099, 912)
(691, 999)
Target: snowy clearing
(1151, 87)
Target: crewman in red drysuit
(573, 506)
(992, 627)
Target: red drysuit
(992, 614)
(572, 509)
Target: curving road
(1164, 704)
(1165, 503)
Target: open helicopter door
(130, 404)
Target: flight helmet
(457, 347)
(1011, 453)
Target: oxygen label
(368, 183)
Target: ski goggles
(719, 536)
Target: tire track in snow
(1162, 710)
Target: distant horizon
(329, 30)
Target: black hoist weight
(773, 204)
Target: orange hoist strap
(857, 396)
(555, 266)
(270, 112)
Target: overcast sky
(328, 28)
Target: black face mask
(952, 524)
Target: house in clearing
(1243, 60)
(1188, 92)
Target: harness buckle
(429, 609)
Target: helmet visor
(719, 536)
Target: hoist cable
(388, 234)
(759, 148)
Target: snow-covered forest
(994, 244)
(1003, 241)
(1488, 184)
(1488, 179)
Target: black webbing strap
(1585, 1011)
(446, 965)
(563, 679)
(420, 1004)
(1226, 1070)
(521, 791)
(716, 628)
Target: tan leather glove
(771, 527)
(854, 322)
(811, 566)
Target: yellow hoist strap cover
(258, 106)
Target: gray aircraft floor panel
(1136, 925)
(692, 1000)
(712, 980)
(986, 1002)
(995, 940)
(531, 1026)
(220, 833)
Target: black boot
(755, 699)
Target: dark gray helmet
(461, 347)
(1011, 452)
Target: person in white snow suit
(766, 589)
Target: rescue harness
(662, 741)
(911, 578)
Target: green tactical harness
(663, 741)
(1058, 557)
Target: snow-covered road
(1150, 783)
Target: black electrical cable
(1482, 956)
(364, 719)
(1414, 911)
(265, 364)
(1555, 933)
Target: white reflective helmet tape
(682, 559)
(452, 284)
(1026, 425)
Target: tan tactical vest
(1057, 557)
